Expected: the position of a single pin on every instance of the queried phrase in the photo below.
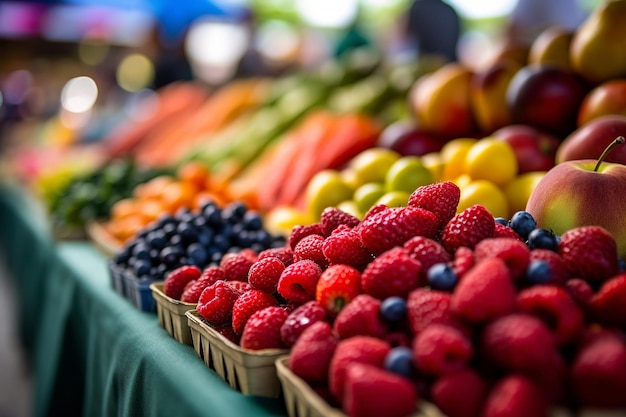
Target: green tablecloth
(93, 353)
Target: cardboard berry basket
(171, 314)
(137, 291)
(252, 372)
(302, 401)
(102, 239)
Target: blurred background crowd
(67, 67)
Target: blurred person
(531, 17)
(433, 27)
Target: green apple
(407, 174)
(350, 207)
(327, 188)
(394, 199)
(372, 164)
(367, 194)
(583, 192)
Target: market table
(92, 352)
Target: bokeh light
(328, 13)
(93, 52)
(278, 41)
(135, 72)
(79, 94)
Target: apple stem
(618, 140)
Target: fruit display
(480, 308)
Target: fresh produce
(590, 140)
(407, 138)
(583, 192)
(604, 99)
(552, 47)
(535, 150)
(596, 51)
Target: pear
(552, 47)
(597, 49)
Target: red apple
(573, 194)
(535, 149)
(590, 140)
(606, 98)
(547, 97)
(407, 138)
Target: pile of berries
(198, 238)
(482, 316)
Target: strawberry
(298, 281)
(441, 349)
(345, 247)
(373, 392)
(299, 320)
(467, 228)
(485, 292)
(505, 231)
(284, 253)
(428, 252)
(265, 273)
(247, 304)
(590, 253)
(518, 343)
(393, 272)
(333, 217)
(608, 306)
(459, 394)
(556, 307)
(298, 232)
(558, 269)
(336, 287)
(515, 396)
(598, 374)
(236, 266)
(513, 252)
(310, 247)
(441, 198)
(216, 303)
(176, 280)
(464, 259)
(395, 225)
(357, 349)
(361, 317)
(262, 329)
(312, 352)
(581, 292)
(426, 307)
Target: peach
(606, 98)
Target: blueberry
(542, 239)
(252, 220)
(188, 233)
(122, 257)
(399, 360)
(263, 237)
(182, 211)
(622, 264)
(523, 223)
(216, 257)
(244, 238)
(156, 239)
(502, 221)
(164, 219)
(234, 212)
(205, 236)
(161, 270)
(221, 242)
(199, 221)
(142, 267)
(176, 240)
(441, 276)
(538, 272)
(212, 214)
(169, 230)
(142, 251)
(170, 255)
(393, 309)
(197, 254)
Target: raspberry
(336, 287)
(176, 280)
(265, 273)
(428, 252)
(310, 247)
(441, 349)
(464, 260)
(426, 307)
(216, 303)
(372, 211)
(558, 269)
(441, 198)
(284, 253)
(361, 317)
(236, 266)
(247, 304)
(459, 394)
(556, 307)
(394, 272)
(310, 356)
(345, 247)
(209, 276)
(513, 252)
(212, 274)
(332, 217)
(373, 392)
(357, 349)
(505, 231)
(515, 396)
(518, 343)
(608, 306)
(298, 232)
(485, 292)
(590, 253)
(299, 320)
(467, 228)
(598, 374)
(298, 281)
(580, 291)
(239, 286)
(262, 329)
(228, 333)
(395, 225)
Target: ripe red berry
(333, 217)
(236, 266)
(515, 396)
(460, 394)
(467, 228)
(262, 329)
(247, 304)
(336, 287)
(310, 356)
(441, 349)
(345, 247)
(298, 281)
(310, 247)
(441, 198)
(361, 317)
(216, 303)
(298, 232)
(590, 253)
(392, 273)
(608, 305)
(301, 318)
(176, 280)
(265, 273)
(513, 252)
(427, 252)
